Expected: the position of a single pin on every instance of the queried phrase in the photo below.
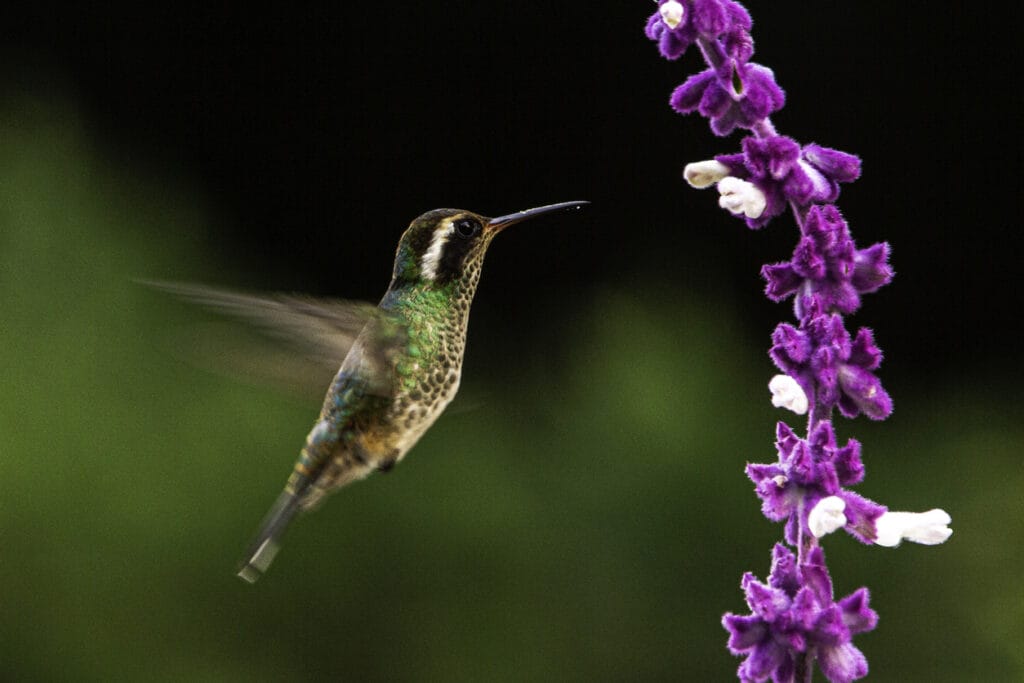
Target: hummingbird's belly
(377, 445)
(415, 412)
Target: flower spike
(794, 623)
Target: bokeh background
(581, 513)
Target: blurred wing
(322, 330)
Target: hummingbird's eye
(467, 227)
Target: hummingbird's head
(446, 246)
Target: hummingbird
(402, 359)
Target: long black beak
(502, 222)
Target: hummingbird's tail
(264, 547)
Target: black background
(316, 133)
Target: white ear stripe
(432, 256)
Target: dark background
(287, 149)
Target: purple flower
(737, 41)
(831, 368)
(736, 94)
(672, 42)
(807, 471)
(793, 614)
(827, 267)
(787, 173)
(837, 166)
(677, 25)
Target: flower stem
(712, 51)
(805, 667)
(764, 128)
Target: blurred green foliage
(590, 523)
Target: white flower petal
(701, 174)
(671, 13)
(827, 516)
(928, 528)
(740, 196)
(787, 393)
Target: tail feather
(265, 545)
